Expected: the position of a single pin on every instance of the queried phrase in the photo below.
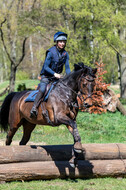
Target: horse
(61, 106)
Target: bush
(22, 87)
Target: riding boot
(34, 110)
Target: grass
(105, 128)
(67, 184)
(28, 83)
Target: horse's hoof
(72, 165)
(78, 147)
(73, 162)
(78, 151)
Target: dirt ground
(2, 143)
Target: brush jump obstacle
(52, 161)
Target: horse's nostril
(86, 105)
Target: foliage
(22, 87)
(100, 87)
(92, 27)
(86, 23)
(22, 75)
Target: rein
(68, 87)
(80, 97)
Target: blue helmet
(60, 36)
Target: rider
(56, 58)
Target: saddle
(31, 97)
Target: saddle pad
(31, 97)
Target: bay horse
(60, 106)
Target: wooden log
(62, 169)
(9, 154)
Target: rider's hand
(58, 76)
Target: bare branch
(117, 51)
(3, 23)
(11, 4)
(3, 41)
(23, 53)
(9, 31)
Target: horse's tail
(4, 111)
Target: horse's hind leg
(27, 129)
(10, 134)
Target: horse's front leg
(64, 119)
(77, 138)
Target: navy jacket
(54, 62)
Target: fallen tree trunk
(61, 169)
(112, 102)
(10, 154)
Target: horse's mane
(78, 67)
(65, 86)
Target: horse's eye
(83, 85)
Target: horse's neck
(72, 81)
(69, 86)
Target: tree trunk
(122, 34)
(1, 72)
(5, 64)
(123, 77)
(12, 77)
(34, 153)
(62, 169)
(52, 161)
(32, 56)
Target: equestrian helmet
(60, 36)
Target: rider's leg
(43, 84)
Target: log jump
(50, 162)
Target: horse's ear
(81, 64)
(76, 67)
(94, 71)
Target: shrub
(100, 87)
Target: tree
(93, 28)
(91, 25)
(12, 43)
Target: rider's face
(61, 44)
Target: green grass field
(104, 128)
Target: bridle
(89, 95)
(80, 97)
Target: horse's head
(86, 84)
